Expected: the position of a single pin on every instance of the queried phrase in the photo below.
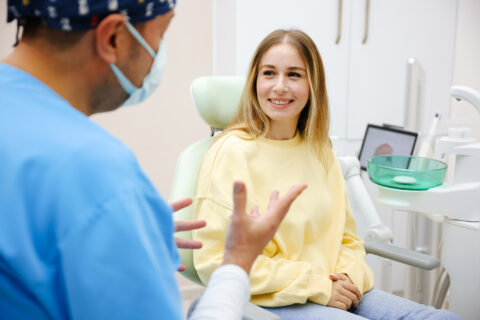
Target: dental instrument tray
(406, 172)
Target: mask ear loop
(17, 36)
(140, 39)
(126, 84)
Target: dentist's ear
(112, 39)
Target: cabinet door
(398, 30)
(257, 18)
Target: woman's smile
(281, 103)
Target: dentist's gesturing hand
(186, 226)
(248, 234)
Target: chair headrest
(216, 98)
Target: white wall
(7, 32)
(467, 61)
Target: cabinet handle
(367, 18)
(339, 22)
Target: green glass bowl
(406, 172)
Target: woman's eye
(295, 75)
(268, 73)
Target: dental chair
(216, 99)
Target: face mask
(153, 78)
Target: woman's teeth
(281, 101)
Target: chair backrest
(216, 99)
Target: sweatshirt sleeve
(279, 282)
(351, 259)
(273, 281)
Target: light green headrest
(216, 98)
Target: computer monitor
(386, 139)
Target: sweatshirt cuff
(361, 277)
(325, 289)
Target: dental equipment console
(452, 200)
(378, 238)
(458, 205)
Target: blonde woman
(314, 267)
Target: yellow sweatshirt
(317, 237)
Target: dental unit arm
(378, 237)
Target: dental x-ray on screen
(380, 140)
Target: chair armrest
(402, 255)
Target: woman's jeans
(375, 305)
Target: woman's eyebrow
(296, 68)
(269, 66)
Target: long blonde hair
(313, 123)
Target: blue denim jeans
(375, 305)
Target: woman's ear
(111, 40)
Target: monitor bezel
(386, 128)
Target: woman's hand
(344, 293)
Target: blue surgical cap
(84, 14)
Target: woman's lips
(280, 103)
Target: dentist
(83, 232)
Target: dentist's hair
(313, 123)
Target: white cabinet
(366, 82)
(398, 30)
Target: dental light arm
(467, 94)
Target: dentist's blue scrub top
(83, 233)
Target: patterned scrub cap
(71, 15)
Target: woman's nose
(280, 84)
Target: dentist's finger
(254, 213)
(239, 198)
(189, 225)
(283, 203)
(182, 268)
(180, 204)
(273, 198)
(188, 244)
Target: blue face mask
(153, 78)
